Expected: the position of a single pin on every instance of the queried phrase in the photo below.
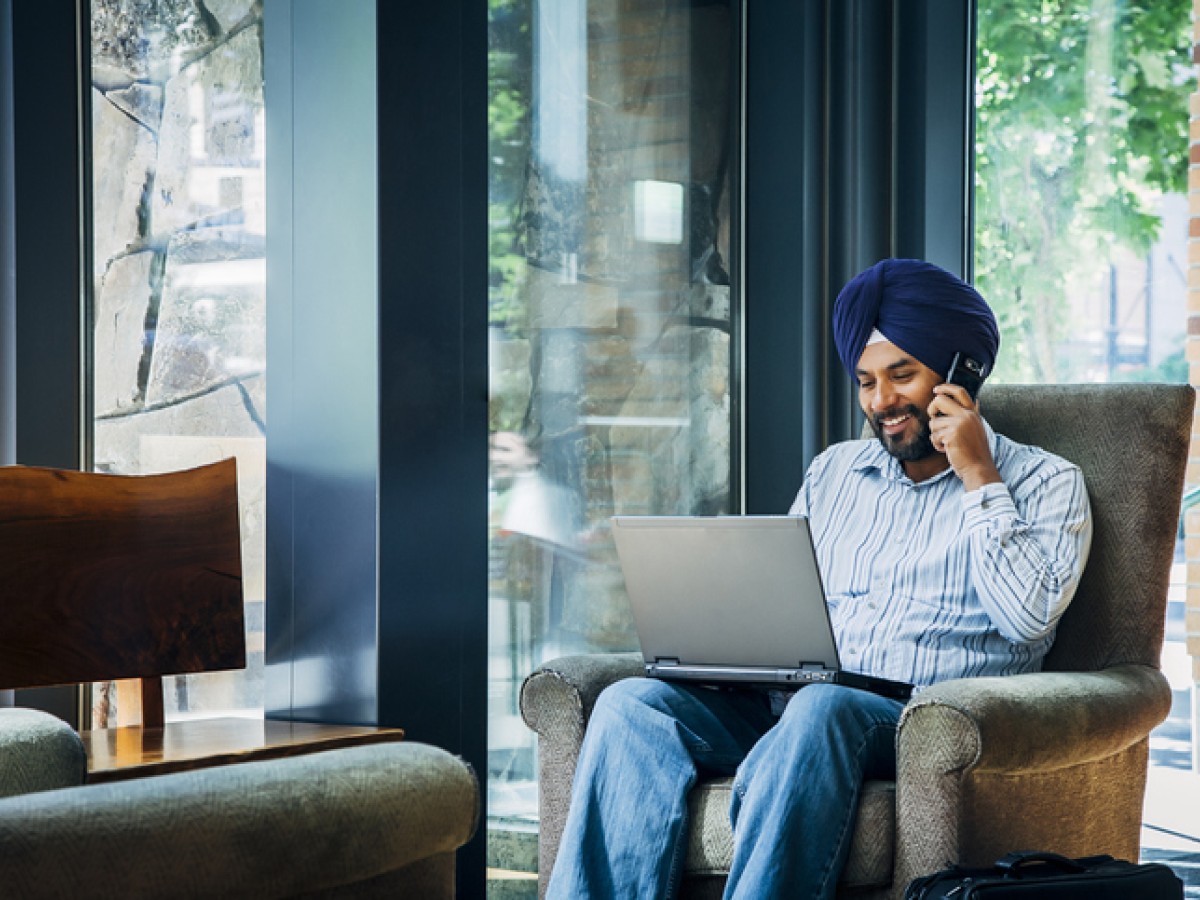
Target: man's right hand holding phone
(957, 430)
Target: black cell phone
(968, 373)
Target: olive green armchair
(1054, 760)
(381, 820)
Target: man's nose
(883, 396)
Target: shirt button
(853, 651)
(870, 604)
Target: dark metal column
(935, 112)
(44, 170)
(377, 352)
(785, 266)
(48, 106)
(8, 269)
(433, 382)
(858, 147)
(322, 359)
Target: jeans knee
(625, 700)
(858, 721)
(826, 697)
(824, 707)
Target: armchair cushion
(710, 839)
(346, 822)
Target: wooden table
(119, 753)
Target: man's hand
(957, 430)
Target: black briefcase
(1025, 876)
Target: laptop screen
(725, 590)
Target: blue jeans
(795, 794)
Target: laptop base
(671, 670)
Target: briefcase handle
(1010, 864)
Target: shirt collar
(874, 456)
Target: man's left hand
(956, 429)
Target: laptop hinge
(666, 660)
(813, 667)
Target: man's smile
(895, 424)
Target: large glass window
(1082, 247)
(178, 360)
(1081, 169)
(611, 319)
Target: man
(947, 551)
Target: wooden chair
(111, 577)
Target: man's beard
(919, 446)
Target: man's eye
(902, 376)
(865, 385)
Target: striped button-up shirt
(926, 581)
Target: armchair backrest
(1131, 441)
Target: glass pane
(1081, 168)
(610, 312)
(178, 228)
(1082, 248)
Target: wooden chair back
(107, 577)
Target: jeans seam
(674, 873)
(867, 735)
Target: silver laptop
(730, 599)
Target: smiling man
(922, 436)
(947, 551)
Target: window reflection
(178, 363)
(610, 319)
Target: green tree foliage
(509, 88)
(1082, 117)
(510, 57)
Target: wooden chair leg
(152, 702)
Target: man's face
(894, 391)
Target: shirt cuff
(988, 504)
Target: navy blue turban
(921, 308)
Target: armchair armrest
(1057, 758)
(1039, 721)
(559, 695)
(320, 823)
(556, 701)
(38, 752)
